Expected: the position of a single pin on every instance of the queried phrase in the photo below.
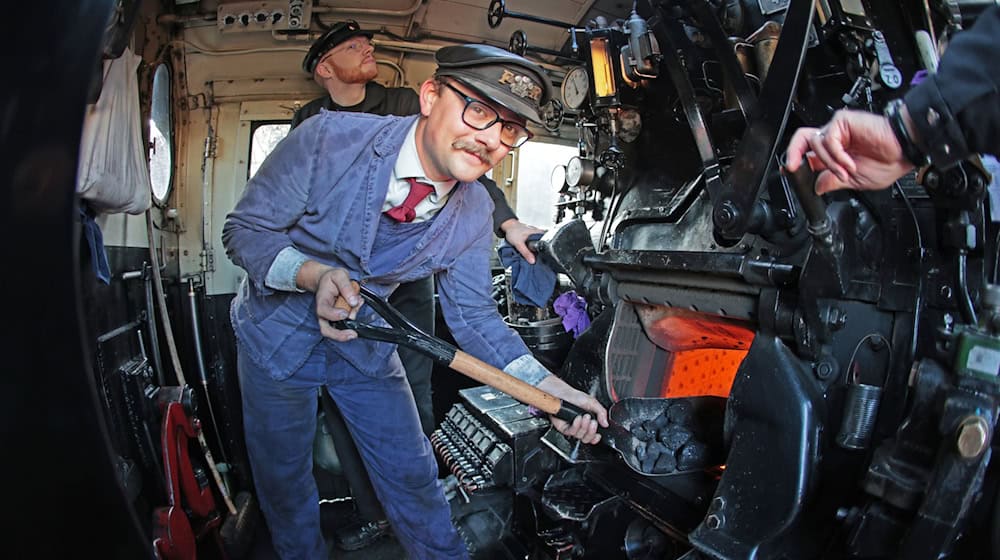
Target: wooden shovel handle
(341, 303)
(528, 394)
(488, 375)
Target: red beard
(357, 75)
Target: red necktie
(405, 212)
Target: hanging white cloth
(113, 174)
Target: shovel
(635, 425)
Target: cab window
(264, 138)
(536, 196)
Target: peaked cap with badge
(337, 34)
(500, 76)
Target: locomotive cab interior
(802, 376)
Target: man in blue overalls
(342, 62)
(379, 200)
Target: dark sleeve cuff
(938, 130)
(955, 110)
(501, 210)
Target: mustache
(473, 148)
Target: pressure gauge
(558, 178)
(580, 172)
(575, 87)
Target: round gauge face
(575, 87)
(574, 169)
(579, 172)
(558, 178)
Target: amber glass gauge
(575, 87)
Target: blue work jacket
(321, 191)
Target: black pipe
(918, 300)
(518, 45)
(154, 337)
(200, 359)
(964, 299)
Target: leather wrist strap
(912, 152)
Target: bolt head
(725, 214)
(973, 437)
(824, 370)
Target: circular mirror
(161, 138)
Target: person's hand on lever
(583, 427)
(516, 233)
(855, 150)
(329, 284)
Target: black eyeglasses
(358, 44)
(481, 116)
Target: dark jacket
(957, 110)
(401, 101)
(379, 100)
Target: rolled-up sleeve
(285, 269)
(256, 231)
(957, 110)
(527, 368)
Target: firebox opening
(683, 353)
(701, 372)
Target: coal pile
(673, 441)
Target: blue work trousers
(280, 423)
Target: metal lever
(733, 203)
(887, 71)
(498, 11)
(803, 181)
(860, 93)
(825, 239)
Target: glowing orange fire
(701, 372)
(702, 353)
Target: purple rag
(573, 310)
(920, 76)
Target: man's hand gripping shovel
(402, 332)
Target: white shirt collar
(408, 165)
